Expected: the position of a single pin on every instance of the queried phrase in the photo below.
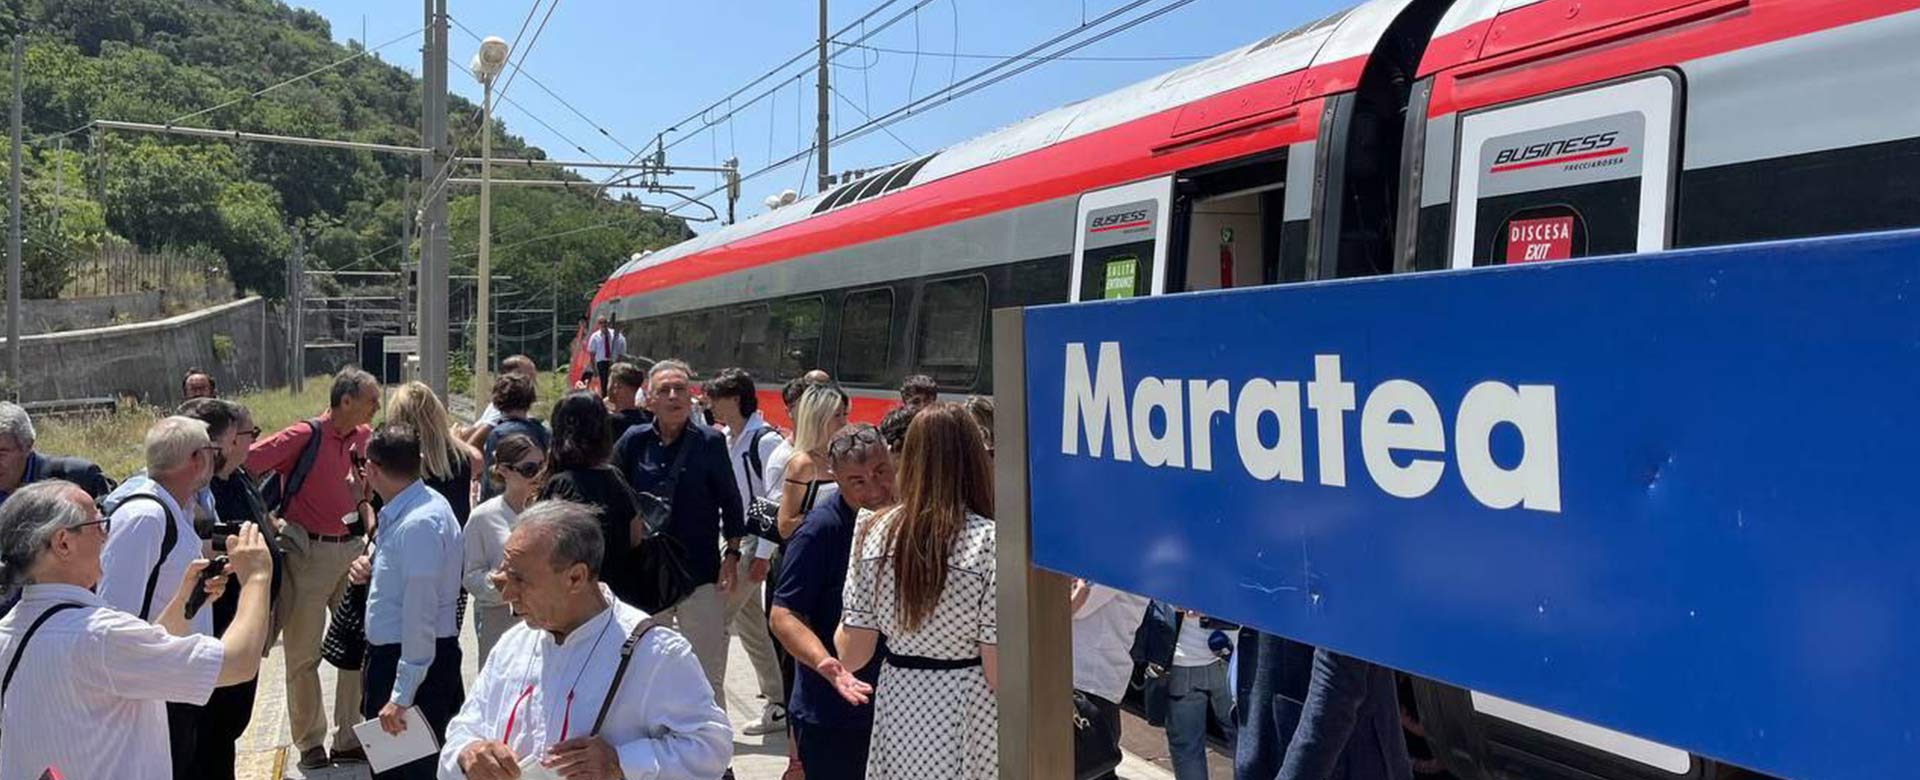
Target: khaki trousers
(315, 581)
(702, 619)
(747, 619)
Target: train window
(798, 323)
(866, 335)
(756, 349)
(952, 322)
(1573, 175)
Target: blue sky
(637, 67)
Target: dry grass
(115, 440)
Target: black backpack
(277, 492)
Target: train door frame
(1659, 98)
(1154, 197)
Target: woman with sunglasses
(519, 469)
(579, 471)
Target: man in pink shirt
(319, 548)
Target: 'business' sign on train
(1670, 496)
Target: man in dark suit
(21, 465)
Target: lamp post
(486, 66)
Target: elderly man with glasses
(155, 542)
(92, 702)
(587, 687)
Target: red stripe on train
(1116, 155)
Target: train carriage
(1398, 136)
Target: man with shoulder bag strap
(93, 704)
(587, 686)
(319, 547)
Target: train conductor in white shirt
(89, 699)
(541, 695)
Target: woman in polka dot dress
(923, 577)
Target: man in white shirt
(1104, 622)
(751, 445)
(154, 543)
(93, 704)
(603, 347)
(546, 687)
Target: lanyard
(566, 717)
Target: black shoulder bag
(661, 560)
(34, 627)
(620, 672)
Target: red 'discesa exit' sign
(1530, 240)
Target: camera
(220, 530)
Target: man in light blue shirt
(413, 651)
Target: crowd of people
(606, 556)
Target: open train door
(1120, 245)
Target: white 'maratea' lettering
(1099, 402)
(1403, 434)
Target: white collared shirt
(138, 532)
(663, 724)
(90, 698)
(606, 345)
(1103, 629)
(767, 484)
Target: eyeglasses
(528, 469)
(252, 433)
(105, 523)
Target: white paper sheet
(386, 751)
(530, 769)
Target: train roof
(1341, 36)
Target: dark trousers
(439, 697)
(600, 369)
(183, 736)
(202, 737)
(833, 753)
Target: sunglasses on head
(527, 469)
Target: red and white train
(1400, 136)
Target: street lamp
(486, 66)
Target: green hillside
(156, 60)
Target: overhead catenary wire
(978, 56)
(89, 125)
(968, 85)
(601, 129)
(296, 79)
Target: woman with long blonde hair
(821, 412)
(448, 465)
(923, 577)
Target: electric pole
(431, 286)
(13, 231)
(820, 130)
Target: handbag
(1096, 736)
(763, 514)
(345, 644)
(660, 560)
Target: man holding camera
(154, 542)
(236, 502)
(92, 706)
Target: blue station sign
(1672, 495)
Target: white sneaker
(772, 719)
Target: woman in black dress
(578, 470)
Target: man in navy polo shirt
(830, 709)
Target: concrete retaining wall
(49, 316)
(241, 343)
